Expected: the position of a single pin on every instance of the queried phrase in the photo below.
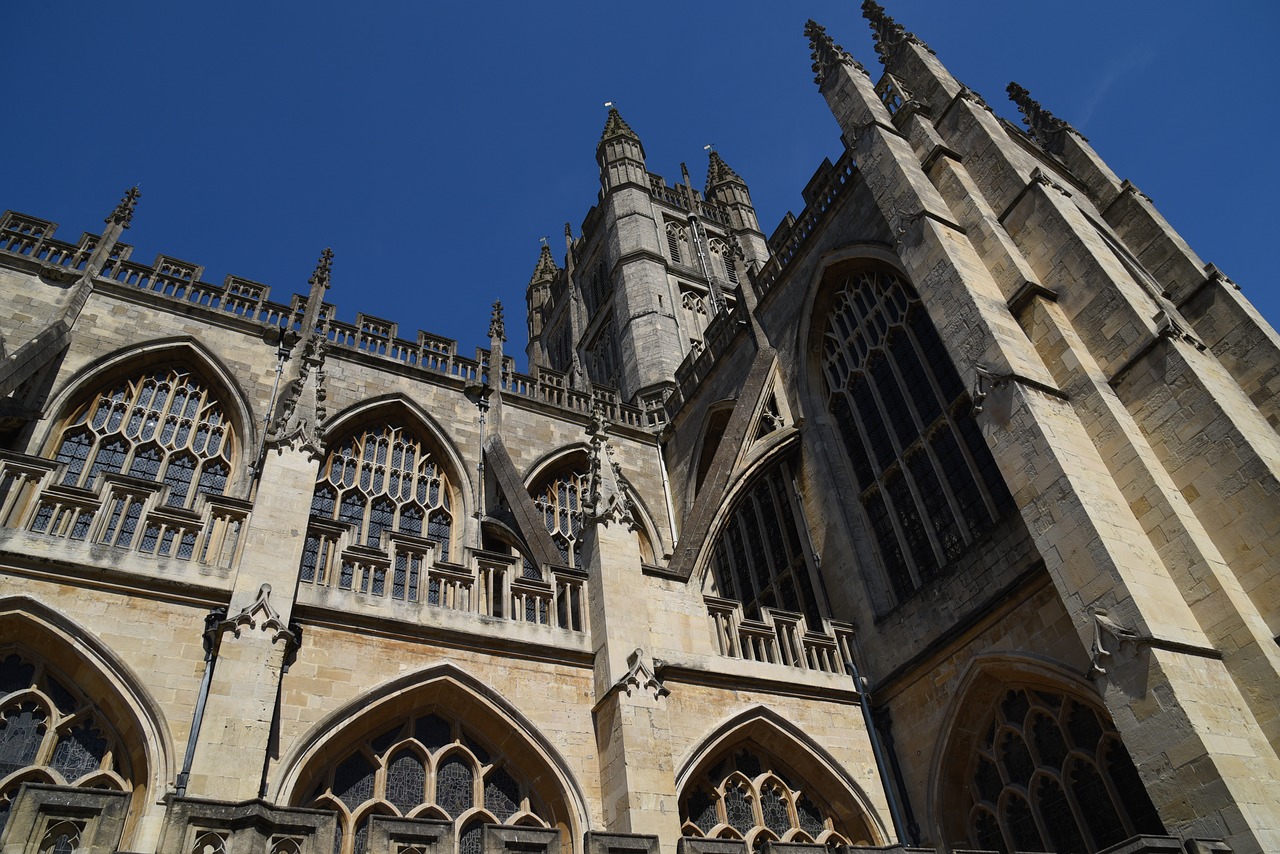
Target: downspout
(211, 621)
(864, 698)
(293, 640)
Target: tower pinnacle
(546, 269)
(320, 278)
(827, 55)
(1045, 127)
(123, 214)
(718, 171)
(615, 126)
(887, 33)
(497, 328)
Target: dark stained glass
(454, 792)
(15, 674)
(63, 699)
(1095, 805)
(1128, 785)
(1049, 742)
(406, 781)
(1021, 825)
(738, 809)
(471, 841)
(986, 779)
(811, 820)
(1015, 706)
(353, 780)
(1059, 823)
(774, 810)
(702, 810)
(1017, 761)
(21, 732)
(433, 731)
(1083, 726)
(501, 794)
(79, 751)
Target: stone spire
(123, 214)
(545, 270)
(718, 172)
(827, 55)
(887, 33)
(615, 126)
(1045, 127)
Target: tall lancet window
(927, 483)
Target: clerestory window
(758, 558)
(559, 497)
(165, 426)
(927, 483)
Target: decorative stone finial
(719, 172)
(887, 33)
(615, 126)
(608, 499)
(123, 214)
(1044, 126)
(568, 230)
(827, 55)
(497, 329)
(320, 278)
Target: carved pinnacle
(320, 278)
(497, 329)
(887, 33)
(1044, 126)
(827, 55)
(123, 214)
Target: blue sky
(432, 144)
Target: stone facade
(946, 515)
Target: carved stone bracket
(1109, 637)
(1039, 176)
(641, 678)
(260, 614)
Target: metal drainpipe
(859, 684)
(666, 491)
(211, 621)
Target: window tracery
(427, 767)
(49, 733)
(749, 795)
(676, 242)
(724, 255)
(758, 558)
(380, 482)
(559, 497)
(927, 483)
(1051, 774)
(159, 425)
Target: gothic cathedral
(944, 517)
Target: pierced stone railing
(171, 278)
(779, 637)
(125, 512)
(827, 184)
(489, 584)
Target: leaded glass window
(758, 559)
(429, 766)
(51, 733)
(379, 485)
(560, 499)
(1052, 774)
(926, 480)
(161, 425)
(748, 794)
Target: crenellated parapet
(29, 243)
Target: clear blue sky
(432, 144)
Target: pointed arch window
(927, 483)
(723, 256)
(559, 497)
(166, 426)
(51, 733)
(677, 241)
(378, 483)
(748, 794)
(1051, 774)
(431, 766)
(758, 558)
